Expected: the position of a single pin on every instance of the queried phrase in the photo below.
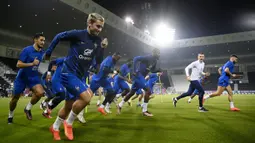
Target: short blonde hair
(93, 17)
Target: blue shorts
(95, 84)
(21, 83)
(48, 91)
(150, 85)
(120, 84)
(223, 83)
(139, 92)
(196, 92)
(57, 87)
(139, 82)
(73, 85)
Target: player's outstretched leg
(230, 99)
(145, 104)
(127, 97)
(191, 97)
(140, 99)
(188, 93)
(110, 95)
(80, 116)
(38, 93)
(219, 91)
(77, 107)
(62, 114)
(53, 103)
(12, 107)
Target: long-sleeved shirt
(197, 68)
(144, 64)
(83, 49)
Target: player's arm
(187, 69)
(22, 58)
(99, 58)
(229, 73)
(63, 36)
(21, 64)
(138, 59)
(219, 70)
(121, 76)
(153, 68)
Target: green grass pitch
(182, 124)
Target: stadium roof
(51, 17)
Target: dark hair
(234, 56)
(116, 54)
(38, 35)
(201, 53)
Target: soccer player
(28, 76)
(47, 84)
(226, 72)
(142, 66)
(197, 68)
(85, 45)
(101, 80)
(57, 88)
(120, 81)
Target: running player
(85, 45)
(226, 72)
(197, 68)
(101, 79)
(28, 76)
(57, 88)
(142, 66)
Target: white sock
(98, 102)
(145, 107)
(232, 105)
(207, 97)
(189, 99)
(50, 103)
(118, 95)
(71, 118)
(45, 111)
(81, 113)
(57, 123)
(11, 113)
(101, 106)
(29, 106)
(122, 103)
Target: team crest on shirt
(87, 52)
(95, 45)
(77, 88)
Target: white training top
(197, 70)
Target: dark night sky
(192, 18)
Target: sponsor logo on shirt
(86, 54)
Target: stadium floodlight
(129, 20)
(164, 35)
